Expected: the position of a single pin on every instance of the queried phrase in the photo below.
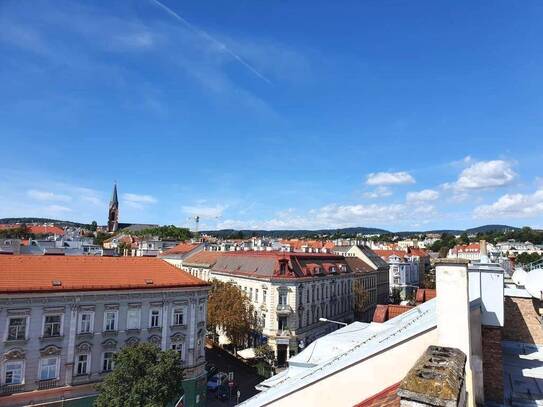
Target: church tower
(113, 216)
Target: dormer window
(282, 267)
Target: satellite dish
(534, 282)
(519, 276)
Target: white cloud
(47, 196)
(513, 206)
(379, 192)
(338, 216)
(389, 178)
(205, 211)
(484, 174)
(424, 195)
(137, 201)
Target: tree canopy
(143, 375)
(229, 310)
(168, 232)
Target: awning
(248, 353)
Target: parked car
(214, 382)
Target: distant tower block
(113, 216)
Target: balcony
(283, 333)
(283, 309)
(48, 384)
(11, 388)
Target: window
(85, 322)
(48, 368)
(14, 372)
(307, 295)
(283, 297)
(82, 367)
(133, 318)
(16, 328)
(110, 321)
(178, 316)
(264, 296)
(202, 314)
(251, 293)
(107, 362)
(178, 347)
(256, 294)
(263, 319)
(52, 325)
(282, 323)
(154, 319)
(199, 347)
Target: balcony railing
(283, 332)
(284, 309)
(11, 388)
(48, 384)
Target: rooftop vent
(56, 283)
(149, 282)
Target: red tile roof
(417, 252)
(425, 294)
(36, 229)
(25, 274)
(385, 398)
(182, 248)
(384, 312)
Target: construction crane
(196, 220)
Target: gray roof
(343, 348)
(375, 259)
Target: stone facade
(59, 339)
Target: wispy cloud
(512, 206)
(379, 192)
(424, 195)
(221, 47)
(208, 212)
(47, 196)
(138, 201)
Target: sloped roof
(358, 265)
(206, 258)
(363, 341)
(385, 398)
(266, 264)
(182, 248)
(26, 274)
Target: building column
(70, 354)
(164, 334)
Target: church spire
(113, 215)
(114, 200)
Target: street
(245, 377)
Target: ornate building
(62, 318)
(113, 216)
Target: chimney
(483, 250)
(453, 315)
(436, 379)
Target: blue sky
(288, 114)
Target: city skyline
(284, 117)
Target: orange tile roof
(384, 312)
(385, 398)
(182, 248)
(25, 274)
(385, 254)
(36, 229)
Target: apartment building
(290, 292)
(62, 318)
(404, 271)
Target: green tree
(361, 298)
(230, 311)
(93, 226)
(100, 237)
(168, 232)
(144, 376)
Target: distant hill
(296, 233)
(56, 222)
(491, 228)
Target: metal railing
(534, 265)
(48, 384)
(11, 388)
(284, 309)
